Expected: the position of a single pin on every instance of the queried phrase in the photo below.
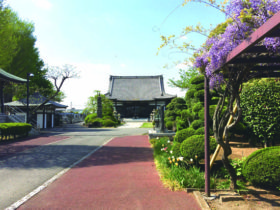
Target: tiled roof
(35, 100)
(10, 77)
(137, 88)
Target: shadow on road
(49, 156)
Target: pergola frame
(264, 64)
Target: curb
(200, 200)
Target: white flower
(172, 157)
(181, 158)
(157, 137)
(171, 151)
(168, 141)
(191, 160)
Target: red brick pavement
(121, 175)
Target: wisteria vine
(248, 16)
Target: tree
(185, 77)
(9, 41)
(243, 17)
(58, 75)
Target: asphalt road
(24, 171)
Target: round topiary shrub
(197, 124)
(95, 123)
(190, 93)
(108, 123)
(197, 107)
(90, 118)
(176, 149)
(183, 134)
(199, 95)
(198, 79)
(200, 131)
(262, 167)
(169, 125)
(194, 146)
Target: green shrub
(108, 123)
(198, 79)
(183, 134)
(194, 146)
(190, 93)
(262, 167)
(199, 95)
(176, 149)
(197, 107)
(14, 129)
(197, 124)
(96, 123)
(90, 118)
(260, 109)
(200, 131)
(239, 129)
(199, 86)
(169, 125)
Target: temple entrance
(135, 110)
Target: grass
(147, 125)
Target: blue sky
(113, 37)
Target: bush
(90, 118)
(14, 129)
(108, 123)
(183, 134)
(261, 168)
(199, 95)
(190, 93)
(197, 124)
(260, 109)
(95, 123)
(239, 129)
(169, 125)
(194, 146)
(200, 131)
(176, 149)
(198, 79)
(197, 107)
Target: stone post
(99, 106)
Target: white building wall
(40, 120)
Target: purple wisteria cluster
(246, 16)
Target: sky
(113, 37)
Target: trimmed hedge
(194, 145)
(200, 131)
(198, 79)
(14, 129)
(183, 134)
(176, 149)
(108, 123)
(262, 167)
(169, 125)
(197, 124)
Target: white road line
(51, 180)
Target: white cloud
(44, 4)
(183, 37)
(182, 66)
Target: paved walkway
(120, 175)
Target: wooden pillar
(206, 136)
